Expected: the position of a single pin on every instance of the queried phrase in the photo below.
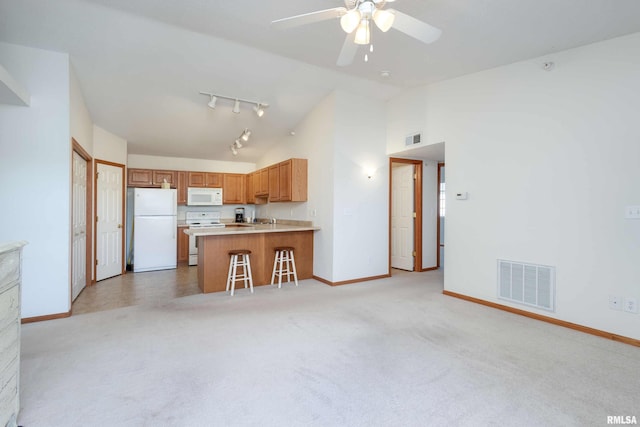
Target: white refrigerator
(154, 229)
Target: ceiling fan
(355, 19)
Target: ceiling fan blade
(348, 52)
(415, 28)
(308, 18)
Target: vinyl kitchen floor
(130, 289)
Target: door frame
(95, 209)
(77, 148)
(440, 166)
(417, 202)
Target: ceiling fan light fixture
(350, 20)
(363, 35)
(212, 103)
(236, 107)
(383, 19)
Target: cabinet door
(181, 178)
(274, 183)
(140, 178)
(183, 245)
(250, 186)
(214, 180)
(284, 170)
(233, 188)
(262, 182)
(160, 176)
(196, 179)
(298, 180)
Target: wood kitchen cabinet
(274, 183)
(181, 178)
(262, 182)
(233, 188)
(204, 179)
(140, 178)
(183, 245)
(250, 188)
(160, 176)
(288, 181)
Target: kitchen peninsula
(261, 239)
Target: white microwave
(197, 196)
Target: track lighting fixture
(259, 110)
(259, 106)
(238, 143)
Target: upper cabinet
(283, 182)
(233, 188)
(204, 179)
(288, 181)
(161, 176)
(140, 178)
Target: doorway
(441, 213)
(109, 219)
(81, 243)
(405, 214)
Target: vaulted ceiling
(142, 63)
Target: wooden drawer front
(9, 268)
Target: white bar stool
(239, 258)
(284, 264)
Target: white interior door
(79, 226)
(402, 220)
(109, 225)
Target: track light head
(237, 143)
(259, 110)
(212, 103)
(234, 151)
(245, 135)
(236, 107)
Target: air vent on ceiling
(416, 138)
(529, 284)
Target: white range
(200, 220)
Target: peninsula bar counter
(261, 239)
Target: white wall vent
(416, 138)
(528, 284)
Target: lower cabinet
(183, 245)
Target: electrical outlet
(615, 302)
(632, 212)
(631, 305)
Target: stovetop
(203, 219)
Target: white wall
(550, 160)
(80, 119)
(109, 147)
(313, 140)
(35, 153)
(342, 137)
(185, 164)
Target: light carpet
(389, 352)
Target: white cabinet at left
(10, 276)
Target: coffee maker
(239, 214)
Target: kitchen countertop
(248, 229)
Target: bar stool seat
(284, 264)
(239, 258)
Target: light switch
(632, 212)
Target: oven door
(193, 250)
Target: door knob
(119, 225)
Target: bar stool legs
(284, 264)
(239, 258)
